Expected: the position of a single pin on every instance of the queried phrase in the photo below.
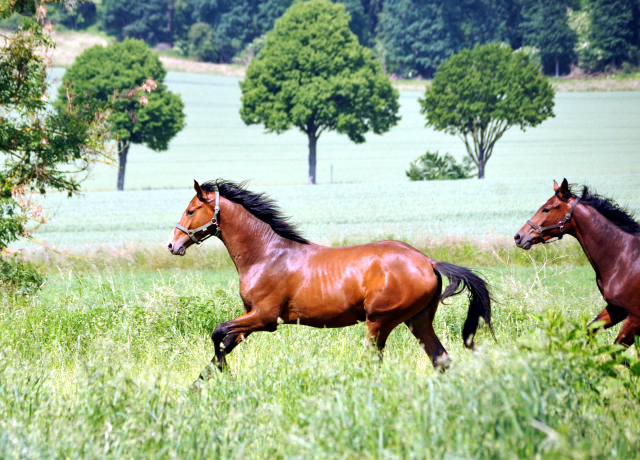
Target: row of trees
(410, 37)
(315, 76)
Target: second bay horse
(609, 237)
(285, 279)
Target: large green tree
(314, 75)
(545, 26)
(416, 37)
(479, 94)
(121, 67)
(613, 29)
(40, 149)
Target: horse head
(553, 219)
(196, 222)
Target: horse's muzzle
(523, 241)
(176, 250)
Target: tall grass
(99, 362)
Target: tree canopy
(313, 74)
(410, 36)
(479, 94)
(40, 149)
(545, 26)
(614, 29)
(152, 119)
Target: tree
(545, 26)
(612, 28)
(314, 75)
(40, 149)
(415, 36)
(149, 20)
(152, 120)
(479, 94)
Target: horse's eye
(546, 210)
(190, 213)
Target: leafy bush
(201, 42)
(19, 278)
(432, 166)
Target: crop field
(332, 213)
(592, 133)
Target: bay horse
(286, 279)
(610, 238)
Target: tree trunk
(313, 140)
(481, 154)
(123, 148)
(557, 67)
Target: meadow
(98, 363)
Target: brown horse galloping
(286, 279)
(611, 240)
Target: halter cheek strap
(213, 222)
(559, 225)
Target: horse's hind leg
(377, 335)
(421, 326)
(630, 328)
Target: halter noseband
(214, 221)
(559, 225)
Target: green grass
(99, 363)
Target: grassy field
(98, 364)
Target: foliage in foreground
(432, 166)
(98, 365)
(40, 149)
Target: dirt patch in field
(183, 65)
(69, 45)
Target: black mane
(617, 215)
(258, 204)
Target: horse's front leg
(609, 316)
(225, 338)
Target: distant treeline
(411, 37)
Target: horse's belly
(327, 313)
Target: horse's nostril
(517, 237)
(170, 246)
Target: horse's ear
(199, 192)
(564, 189)
(555, 186)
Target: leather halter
(214, 221)
(559, 225)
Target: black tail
(479, 298)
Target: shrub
(201, 42)
(19, 278)
(432, 166)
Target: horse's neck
(595, 232)
(247, 239)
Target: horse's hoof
(196, 386)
